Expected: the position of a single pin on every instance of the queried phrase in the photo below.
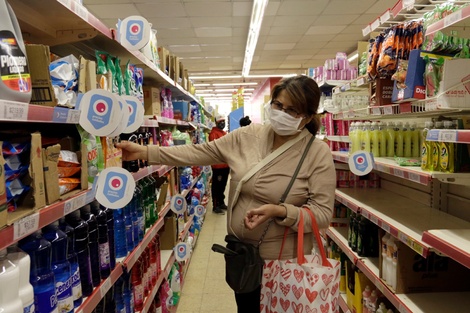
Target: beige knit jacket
(314, 187)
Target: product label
(104, 256)
(76, 285)
(444, 156)
(13, 63)
(29, 308)
(139, 294)
(45, 301)
(63, 288)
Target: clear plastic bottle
(374, 142)
(390, 139)
(436, 149)
(426, 148)
(112, 248)
(382, 134)
(119, 234)
(382, 308)
(26, 293)
(60, 266)
(90, 219)
(103, 243)
(129, 228)
(366, 138)
(41, 274)
(447, 153)
(415, 144)
(399, 139)
(407, 143)
(9, 285)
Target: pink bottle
(365, 299)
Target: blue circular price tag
(361, 163)
(207, 169)
(115, 187)
(199, 210)
(178, 204)
(182, 251)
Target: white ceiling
(210, 36)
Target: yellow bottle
(399, 139)
(426, 155)
(447, 153)
(353, 146)
(415, 146)
(365, 139)
(391, 140)
(382, 134)
(436, 147)
(358, 135)
(407, 140)
(374, 139)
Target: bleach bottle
(15, 82)
(26, 293)
(9, 285)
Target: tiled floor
(205, 289)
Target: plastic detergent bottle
(93, 246)
(407, 140)
(60, 266)
(358, 135)
(374, 139)
(393, 271)
(352, 128)
(382, 134)
(399, 138)
(103, 244)
(110, 223)
(436, 151)
(15, 82)
(365, 299)
(366, 138)
(426, 156)
(9, 285)
(447, 153)
(22, 260)
(373, 301)
(382, 308)
(384, 243)
(415, 146)
(391, 139)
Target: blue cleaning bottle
(90, 219)
(135, 222)
(119, 233)
(127, 293)
(139, 207)
(129, 230)
(101, 219)
(73, 260)
(110, 223)
(81, 249)
(41, 275)
(60, 266)
(118, 295)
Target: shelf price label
(374, 219)
(448, 135)
(15, 111)
(74, 203)
(453, 18)
(385, 16)
(366, 31)
(105, 287)
(25, 226)
(398, 172)
(376, 111)
(379, 285)
(388, 110)
(385, 226)
(375, 24)
(402, 308)
(414, 177)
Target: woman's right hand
(132, 151)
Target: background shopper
(245, 121)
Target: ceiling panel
(166, 9)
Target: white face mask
(283, 124)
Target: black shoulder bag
(243, 263)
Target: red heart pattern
(285, 304)
(284, 288)
(311, 295)
(274, 302)
(334, 289)
(298, 292)
(312, 279)
(309, 310)
(327, 279)
(299, 275)
(324, 294)
(298, 308)
(325, 308)
(285, 273)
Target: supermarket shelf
(30, 223)
(170, 121)
(343, 303)
(329, 84)
(456, 20)
(455, 243)
(339, 236)
(338, 138)
(405, 303)
(412, 173)
(449, 135)
(146, 171)
(402, 217)
(12, 111)
(350, 87)
(150, 122)
(185, 192)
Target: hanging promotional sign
(182, 251)
(114, 187)
(136, 114)
(178, 204)
(124, 114)
(199, 210)
(361, 163)
(134, 32)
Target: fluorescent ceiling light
(215, 77)
(257, 14)
(353, 57)
(235, 84)
(230, 90)
(201, 85)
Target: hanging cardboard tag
(136, 114)
(361, 163)
(114, 187)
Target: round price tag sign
(361, 163)
(178, 204)
(207, 169)
(100, 112)
(136, 114)
(114, 187)
(199, 210)
(182, 251)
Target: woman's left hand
(258, 216)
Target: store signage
(178, 204)
(134, 32)
(114, 187)
(136, 114)
(182, 251)
(361, 163)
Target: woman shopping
(256, 201)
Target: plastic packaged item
(426, 148)
(60, 266)
(136, 280)
(407, 140)
(399, 139)
(9, 285)
(374, 140)
(415, 145)
(365, 299)
(68, 184)
(25, 292)
(447, 153)
(15, 82)
(130, 241)
(64, 77)
(110, 224)
(9, 148)
(366, 137)
(435, 149)
(408, 161)
(95, 157)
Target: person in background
(292, 113)
(220, 172)
(245, 121)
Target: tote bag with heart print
(307, 284)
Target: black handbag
(243, 263)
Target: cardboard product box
(380, 92)
(87, 79)
(186, 80)
(152, 102)
(168, 233)
(35, 198)
(455, 85)
(415, 88)
(162, 196)
(435, 273)
(3, 192)
(174, 67)
(356, 282)
(180, 73)
(50, 157)
(164, 57)
(38, 62)
(181, 108)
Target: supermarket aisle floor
(205, 289)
